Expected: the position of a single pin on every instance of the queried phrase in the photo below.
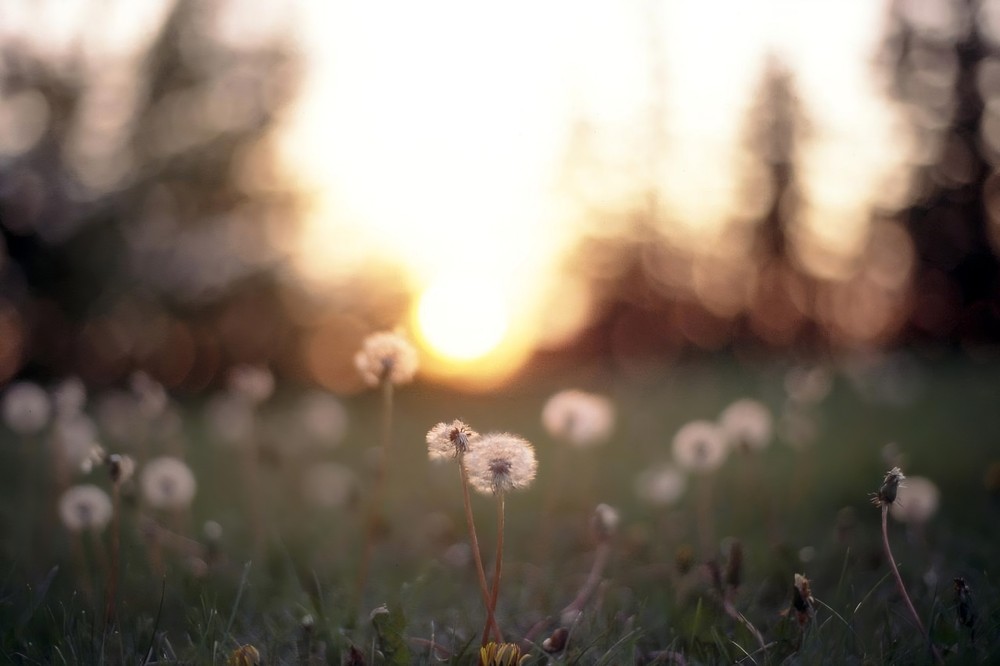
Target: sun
(461, 319)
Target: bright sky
(436, 133)
(470, 143)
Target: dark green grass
(786, 500)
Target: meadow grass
(793, 510)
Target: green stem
(491, 609)
(706, 531)
(112, 590)
(899, 580)
(378, 496)
(477, 556)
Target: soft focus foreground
(243, 519)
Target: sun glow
(462, 320)
(460, 140)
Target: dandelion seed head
(449, 440)
(167, 483)
(916, 501)
(230, 419)
(69, 397)
(660, 486)
(386, 355)
(26, 408)
(747, 424)
(75, 436)
(252, 382)
(152, 397)
(458, 555)
(808, 386)
(323, 417)
(329, 485)
(119, 416)
(578, 418)
(500, 462)
(85, 508)
(212, 530)
(700, 446)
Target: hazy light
(431, 137)
(462, 319)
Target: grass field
(278, 566)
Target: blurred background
(190, 185)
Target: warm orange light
(461, 319)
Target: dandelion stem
(899, 579)
(112, 589)
(491, 609)
(378, 495)
(593, 579)
(706, 532)
(476, 555)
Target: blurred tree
(933, 72)
(143, 222)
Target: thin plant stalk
(381, 474)
(491, 609)
(476, 555)
(899, 579)
(895, 569)
(601, 558)
(706, 531)
(112, 589)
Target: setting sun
(462, 320)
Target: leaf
(389, 625)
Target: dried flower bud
(604, 522)
(886, 494)
(557, 641)
(734, 565)
(802, 599)
(246, 655)
(966, 610)
(120, 468)
(684, 559)
(714, 575)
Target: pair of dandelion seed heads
(496, 462)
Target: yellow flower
(501, 654)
